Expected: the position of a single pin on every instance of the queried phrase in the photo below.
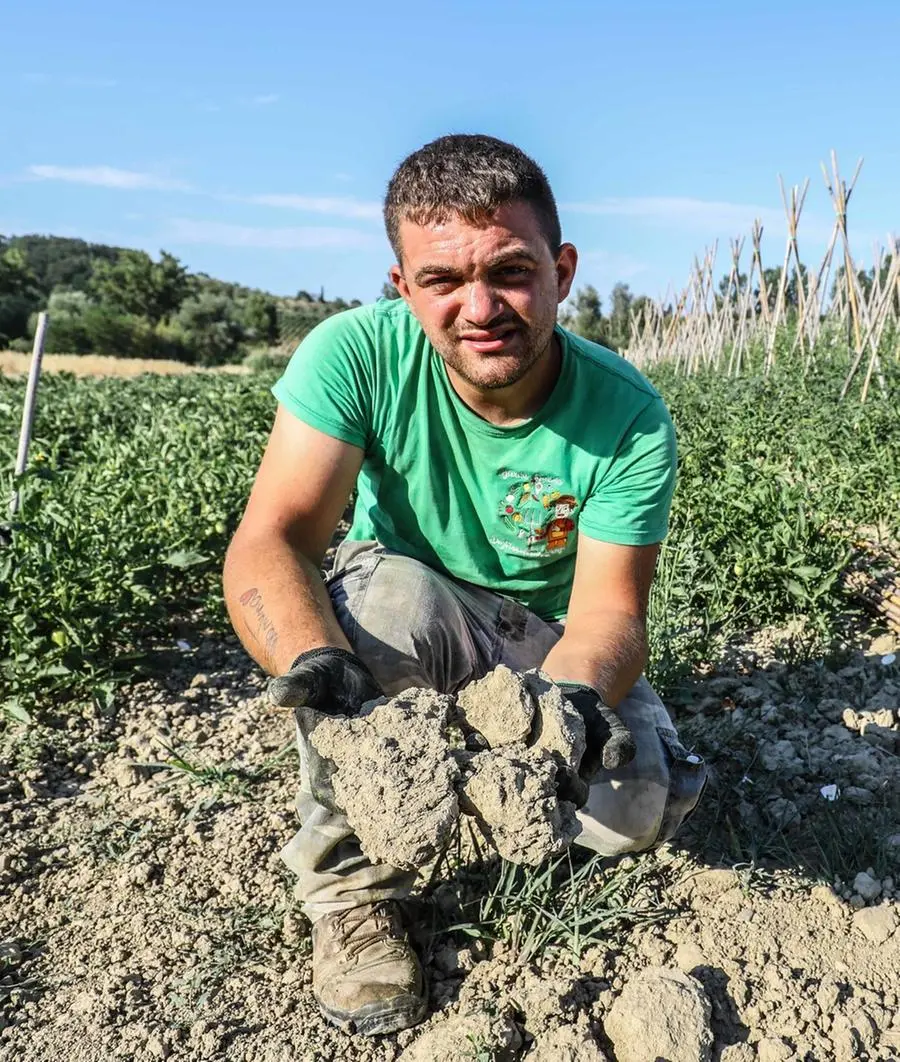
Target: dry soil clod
(395, 775)
(511, 791)
(402, 783)
(557, 726)
(499, 706)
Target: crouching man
(513, 485)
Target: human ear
(566, 264)
(397, 279)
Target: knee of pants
(643, 804)
(405, 622)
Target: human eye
(440, 285)
(513, 272)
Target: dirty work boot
(366, 976)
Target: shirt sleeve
(630, 506)
(328, 381)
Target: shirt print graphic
(537, 513)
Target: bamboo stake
(34, 375)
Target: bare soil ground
(16, 364)
(145, 914)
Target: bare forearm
(609, 652)
(277, 602)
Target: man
(513, 486)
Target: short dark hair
(471, 176)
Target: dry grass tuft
(14, 364)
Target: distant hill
(115, 300)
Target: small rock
(857, 794)
(155, 1046)
(773, 1049)
(826, 896)
(880, 736)
(465, 1037)
(199, 680)
(568, 1043)
(126, 774)
(876, 923)
(827, 996)
(844, 1039)
(782, 812)
(661, 1013)
(737, 1053)
(779, 756)
(867, 887)
(688, 957)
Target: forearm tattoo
(264, 632)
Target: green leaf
(807, 571)
(17, 711)
(184, 558)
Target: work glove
(323, 682)
(609, 741)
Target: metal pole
(34, 374)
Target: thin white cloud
(337, 206)
(223, 234)
(681, 210)
(108, 177)
(266, 98)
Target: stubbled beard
(532, 348)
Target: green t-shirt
(496, 506)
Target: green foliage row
(133, 491)
(135, 487)
(775, 475)
(108, 300)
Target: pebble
(867, 886)
(689, 956)
(875, 923)
(773, 1049)
(779, 756)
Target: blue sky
(254, 141)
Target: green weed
(568, 904)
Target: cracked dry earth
(144, 912)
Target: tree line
(121, 302)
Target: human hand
(609, 742)
(323, 682)
(330, 680)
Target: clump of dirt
(662, 1013)
(480, 1034)
(556, 727)
(395, 776)
(403, 773)
(499, 706)
(511, 792)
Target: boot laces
(372, 925)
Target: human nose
(482, 304)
